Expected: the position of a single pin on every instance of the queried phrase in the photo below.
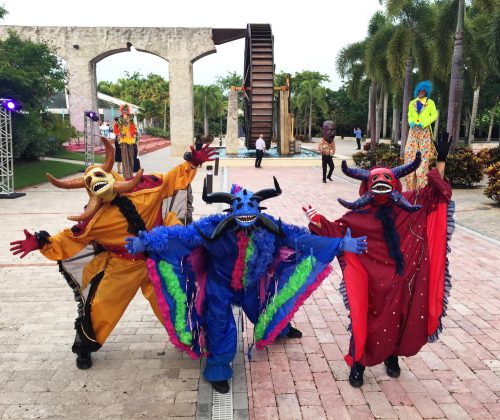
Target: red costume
(396, 293)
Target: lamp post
(89, 132)
(7, 107)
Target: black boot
(356, 375)
(329, 178)
(222, 387)
(83, 360)
(293, 333)
(392, 367)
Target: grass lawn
(27, 173)
(67, 154)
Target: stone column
(285, 126)
(82, 89)
(182, 109)
(232, 142)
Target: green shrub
(463, 168)
(488, 156)
(158, 132)
(384, 155)
(493, 189)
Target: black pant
(259, 154)
(359, 143)
(327, 161)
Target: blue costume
(245, 258)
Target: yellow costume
(421, 114)
(119, 276)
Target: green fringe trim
(248, 254)
(295, 282)
(168, 274)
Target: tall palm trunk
(395, 119)
(386, 103)
(406, 101)
(492, 120)
(205, 118)
(456, 80)
(379, 114)
(472, 128)
(373, 114)
(310, 120)
(436, 126)
(369, 111)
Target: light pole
(7, 107)
(89, 133)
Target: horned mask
(101, 184)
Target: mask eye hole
(239, 206)
(387, 177)
(375, 178)
(250, 204)
(99, 174)
(88, 180)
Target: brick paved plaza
(138, 374)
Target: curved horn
(356, 173)
(268, 192)
(217, 197)
(127, 186)
(90, 210)
(403, 170)
(67, 184)
(270, 225)
(403, 203)
(361, 202)
(110, 155)
(219, 229)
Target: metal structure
(6, 156)
(89, 134)
(258, 84)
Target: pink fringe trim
(259, 345)
(197, 260)
(239, 265)
(165, 311)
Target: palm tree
(456, 78)
(412, 20)
(310, 94)
(208, 102)
(380, 32)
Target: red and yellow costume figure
(421, 114)
(396, 293)
(126, 131)
(116, 209)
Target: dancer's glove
(134, 245)
(25, 246)
(312, 215)
(354, 245)
(206, 154)
(443, 146)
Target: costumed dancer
(327, 149)
(246, 258)
(397, 292)
(125, 132)
(421, 114)
(116, 209)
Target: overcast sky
(307, 35)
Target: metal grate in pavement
(222, 404)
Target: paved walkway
(455, 378)
(138, 374)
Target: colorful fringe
(239, 269)
(165, 311)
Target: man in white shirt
(260, 147)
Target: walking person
(260, 147)
(327, 149)
(357, 134)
